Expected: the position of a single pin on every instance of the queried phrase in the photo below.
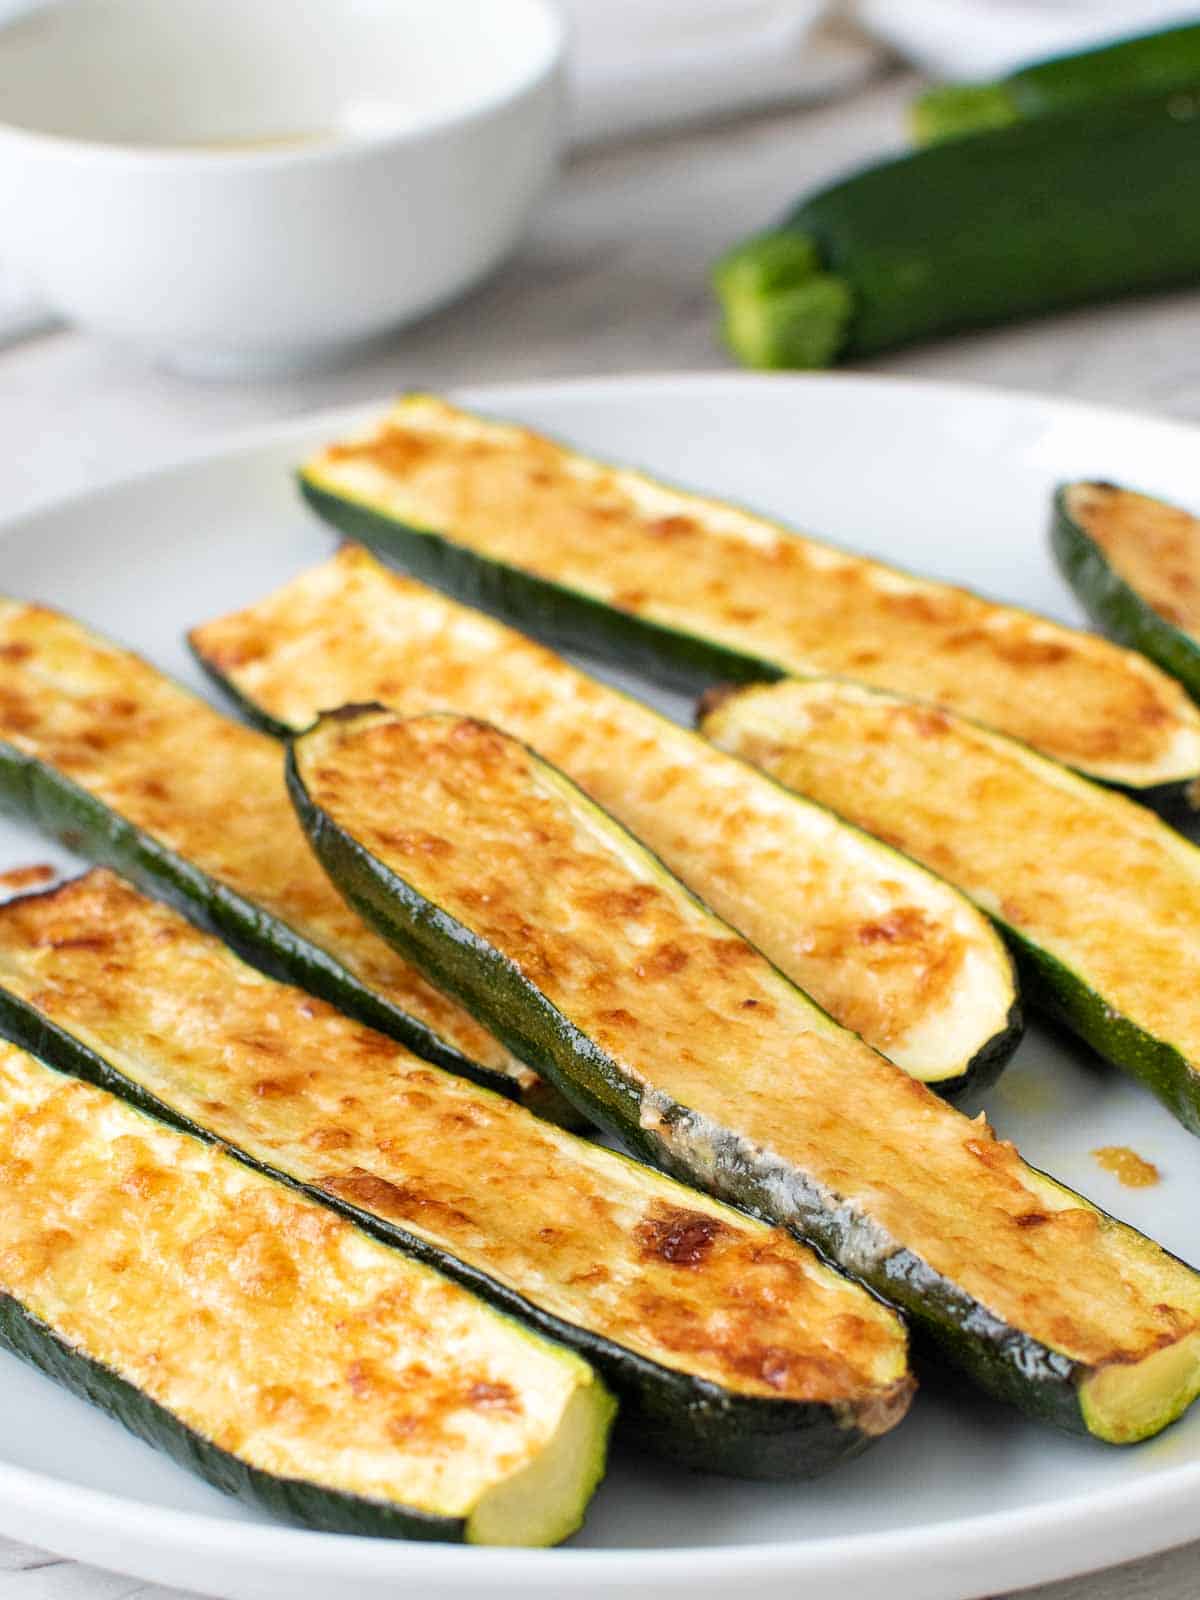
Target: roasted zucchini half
(1134, 563)
(492, 870)
(615, 564)
(104, 752)
(271, 1346)
(1099, 898)
(733, 1346)
(891, 951)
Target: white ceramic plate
(965, 1498)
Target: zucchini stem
(954, 109)
(780, 309)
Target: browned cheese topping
(880, 945)
(1155, 547)
(203, 785)
(697, 565)
(1064, 862)
(579, 1231)
(263, 1321)
(690, 1010)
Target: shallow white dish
(241, 188)
(964, 1499)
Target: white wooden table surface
(611, 280)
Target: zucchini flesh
(120, 763)
(891, 951)
(270, 1345)
(686, 1042)
(734, 1347)
(1134, 563)
(1019, 221)
(1168, 59)
(607, 560)
(1100, 899)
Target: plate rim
(1125, 1521)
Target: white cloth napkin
(986, 38)
(643, 64)
(639, 64)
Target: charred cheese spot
(493, 1397)
(789, 876)
(682, 1238)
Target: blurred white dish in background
(243, 187)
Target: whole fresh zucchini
(271, 1346)
(699, 592)
(1081, 81)
(1134, 563)
(1099, 898)
(891, 951)
(1056, 212)
(490, 869)
(121, 764)
(732, 1346)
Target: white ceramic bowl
(258, 184)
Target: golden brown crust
(261, 1320)
(574, 1228)
(883, 947)
(205, 786)
(1155, 547)
(697, 565)
(1120, 907)
(717, 1029)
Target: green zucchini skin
(1061, 994)
(1053, 988)
(33, 792)
(549, 611)
(679, 1417)
(1018, 222)
(291, 1500)
(978, 1073)
(1114, 604)
(572, 620)
(1143, 64)
(946, 1321)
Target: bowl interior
(230, 75)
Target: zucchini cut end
(779, 309)
(544, 1503)
(953, 110)
(1126, 1403)
(1128, 557)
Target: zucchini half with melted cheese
(1099, 898)
(618, 565)
(733, 1346)
(271, 1346)
(104, 752)
(492, 870)
(1134, 563)
(890, 950)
